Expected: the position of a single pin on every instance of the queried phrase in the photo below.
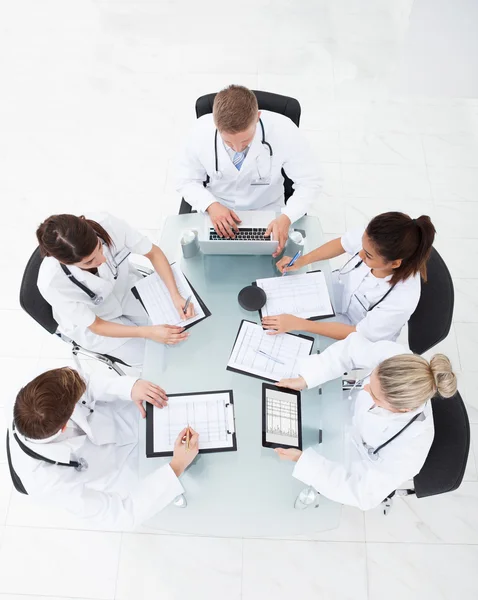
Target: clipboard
(313, 318)
(206, 311)
(281, 417)
(204, 430)
(249, 374)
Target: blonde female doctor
(87, 278)
(392, 428)
(378, 289)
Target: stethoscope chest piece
(82, 465)
(372, 454)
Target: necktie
(238, 160)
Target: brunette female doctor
(87, 278)
(378, 288)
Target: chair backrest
(283, 105)
(31, 300)
(431, 321)
(445, 464)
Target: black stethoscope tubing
(373, 453)
(342, 272)
(79, 465)
(94, 297)
(263, 141)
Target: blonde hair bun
(445, 379)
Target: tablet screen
(282, 421)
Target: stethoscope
(218, 174)
(78, 465)
(356, 266)
(95, 298)
(343, 272)
(373, 452)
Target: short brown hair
(45, 404)
(235, 109)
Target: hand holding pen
(186, 306)
(286, 267)
(186, 448)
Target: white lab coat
(357, 289)
(75, 311)
(290, 152)
(357, 480)
(103, 430)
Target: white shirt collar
(43, 441)
(231, 153)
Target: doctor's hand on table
(145, 391)
(282, 324)
(296, 383)
(223, 219)
(166, 334)
(279, 228)
(292, 454)
(184, 453)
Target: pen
(292, 262)
(188, 436)
(270, 357)
(185, 309)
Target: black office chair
(38, 308)
(445, 465)
(283, 105)
(431, 321)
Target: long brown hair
(45, 404)
(69, 238)
(395, 236)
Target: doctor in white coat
(91, 424)
(392, 429)
(378, 288)
(87, 278)
(241, 151)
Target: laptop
(249, 240)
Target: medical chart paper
(211, 414)
(270, 357)
(158, 303)
(305, 295)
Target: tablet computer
(281, 417)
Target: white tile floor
(95, 98)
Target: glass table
(249, 492)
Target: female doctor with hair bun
(87, 278)
(378, 288)
(392, 428)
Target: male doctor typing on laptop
(242, 151)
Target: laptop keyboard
(253, 234)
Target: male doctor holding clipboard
(242, 151)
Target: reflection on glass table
(249, 492)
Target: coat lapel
(249, 164)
